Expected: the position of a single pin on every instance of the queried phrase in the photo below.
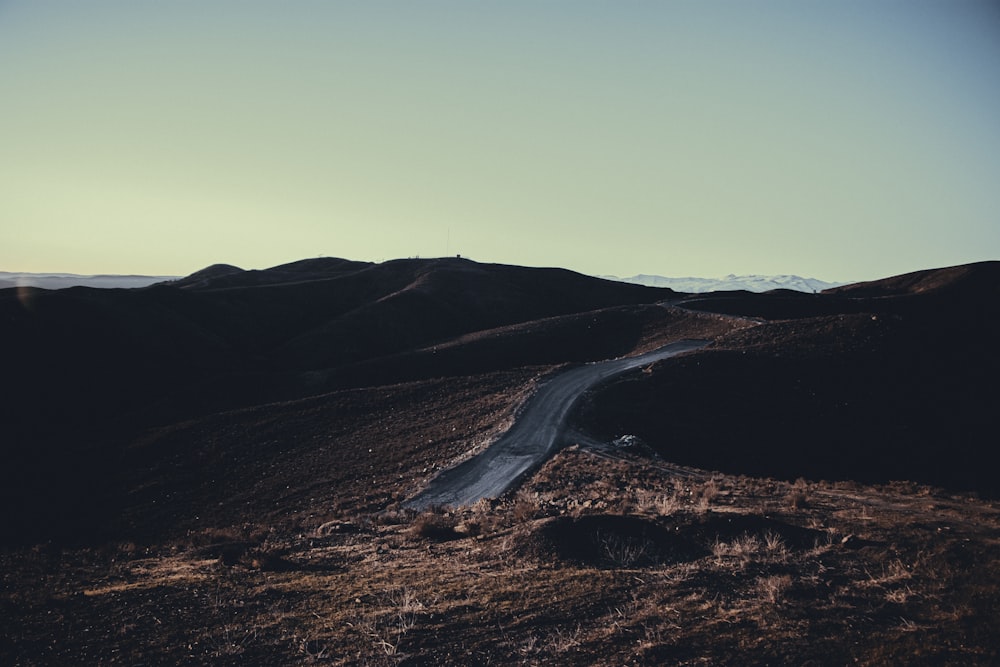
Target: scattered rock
(228, 553)
(337, 528)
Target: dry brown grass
(742, 577)
(435, 524)
(798, 495)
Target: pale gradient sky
(843, 140)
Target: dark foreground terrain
(214, 471)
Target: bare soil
(603, 558)
(252, 509)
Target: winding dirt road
(535, 435)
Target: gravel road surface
(536, 434)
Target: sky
(844, 140)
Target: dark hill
(894, 379)
(140, 522)
(204, 277)
(87, 354)
(87, 369)
(979, 279)
(225, 275)
(951, 289)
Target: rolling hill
(892, 379)
(91, 368)
(215, 470)
(900, 372)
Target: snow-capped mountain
(64, 280)
(751, 283)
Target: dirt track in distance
(535, 435)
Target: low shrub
(435, 525)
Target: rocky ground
(605, 557)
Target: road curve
(535, 435)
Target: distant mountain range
(64, 280)
(750, 283)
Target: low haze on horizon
(845, 141)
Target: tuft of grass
(771, 589)
(624, 551)
(775, 547)
(386, 626)
(435, 524)
(525, 507)
(662, 504)
(742, 549)
(798, 495)
(707, 495)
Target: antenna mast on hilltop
(447, 243)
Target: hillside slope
(90, 369)
(894, 379)
(224, 337)
(278, 533)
